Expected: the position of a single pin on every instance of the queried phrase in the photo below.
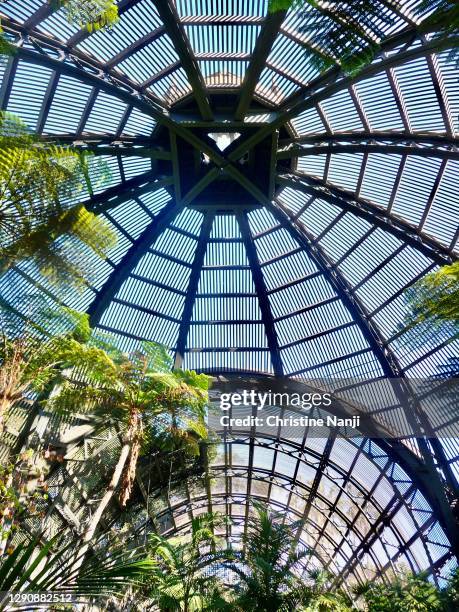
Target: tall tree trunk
(114, 482)
(129, 450)
(134, 435)
(124, 461)
(5, 405)
(94, 522)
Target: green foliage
(435, 298)
(146, 378)
(341, 32)
(410, 593)
(31, 361)
(442, 16)
(30, 173)
(91, 14)
(43, 317)
(134, 393)
(157, 411)
(282, 5)
(6, 48)
(442, 19)
(179, 580)
(319, 595)
(140, 379)
(57, 566)
(451, 592)
(23, 491)
(35, 180)
(266, 567)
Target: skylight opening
(224, 139)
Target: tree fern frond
(90, 14)
(348, 33)
(35, 180)
(435, 298)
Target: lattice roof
(286, 253)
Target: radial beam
(192, 290)
(130, 189)
(436, 73)
(272, 165)
(42, 13)
(8, 80)
(176, 32)
(370, 212)
(416, 139)
(175, 165)
(263, 46)
(47, 101)
(140, 246)
(135, 253)
(367, 148)
(261, 290)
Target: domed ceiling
(269, 218)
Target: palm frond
(59, 567)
